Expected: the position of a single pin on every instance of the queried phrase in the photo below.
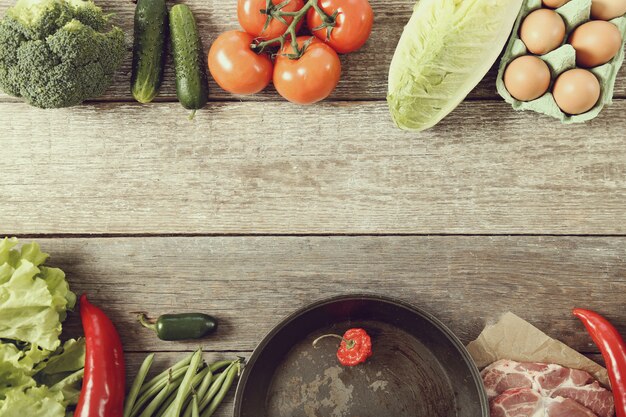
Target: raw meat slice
(526, 402)
(517, 403)
(581, 387)
(551, 381)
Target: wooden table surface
(259, 206)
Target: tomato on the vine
(310, 78)
(253, 21)
(237, 68)
(353, 23)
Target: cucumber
(149, 53)
(191, 81)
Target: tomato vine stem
(274, 11)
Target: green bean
(166, 405)
(204, 387)
(145, 397)
(185, 386)
(206, 383)
(228, 382)
(194, 406)
(166, 408)
(216, 366)
(163, 375)
(215, 386)
(187, 401)
(137, 383)
(156, 401)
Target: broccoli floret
(58, 53)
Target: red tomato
(252, 20)
(310, 78)
(236, 67)
(353, 24)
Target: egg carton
(575, 13)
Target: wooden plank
(364, 73)
(250, 283)
(344, 168)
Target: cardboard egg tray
(575, 13)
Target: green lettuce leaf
(11, 357)
(32, 252)
(33, 402)
(8, 256)
(33, 298)
(62, 298)
(70, 387)
(38, 377)
(64, 362)
(15, 369)
(34, 355)
(27, 310)
(62, 370)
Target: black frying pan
(418, 369)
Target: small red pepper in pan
(355, 346)
(613, 349)
(102, 394)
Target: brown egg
(607, 9)
(576, 91)
(596, 43)
(554, 4)
(527, 78)
(543, 31)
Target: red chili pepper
(102, 394)
(613, 349)
(355, 347)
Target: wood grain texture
(364, 72)
(344, 168)
(251, 283)
(259, 167)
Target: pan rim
(460, 348)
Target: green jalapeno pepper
(180, 326)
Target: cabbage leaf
(445, 50)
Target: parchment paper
(516, 339)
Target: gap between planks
(251, 99)
(294, 235)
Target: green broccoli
(58, 53)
